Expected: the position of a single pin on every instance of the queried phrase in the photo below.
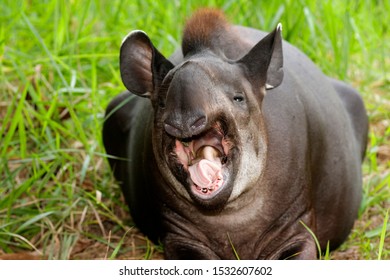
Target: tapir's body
(290, 146)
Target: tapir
(237, 146)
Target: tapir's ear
(142, 66)
(265, 60)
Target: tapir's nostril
(172, 130)
(187, 128)
(198, 124)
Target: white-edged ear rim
(279, 27)
(132, 33)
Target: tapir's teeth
(209, 153)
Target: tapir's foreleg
(180, 248)
(308, 251)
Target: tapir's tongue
(206, 173)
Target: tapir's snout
(187, 103)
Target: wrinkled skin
(240, 140)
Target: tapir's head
(208, 138)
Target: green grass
(59, 69)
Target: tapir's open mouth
(203, 159)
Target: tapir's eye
(239, 97)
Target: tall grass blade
(34, 220)
(314, 237)
(383, 235)
(18, 236)
(14, 123)
(233, 248)
(47, 51)
(119, 245)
